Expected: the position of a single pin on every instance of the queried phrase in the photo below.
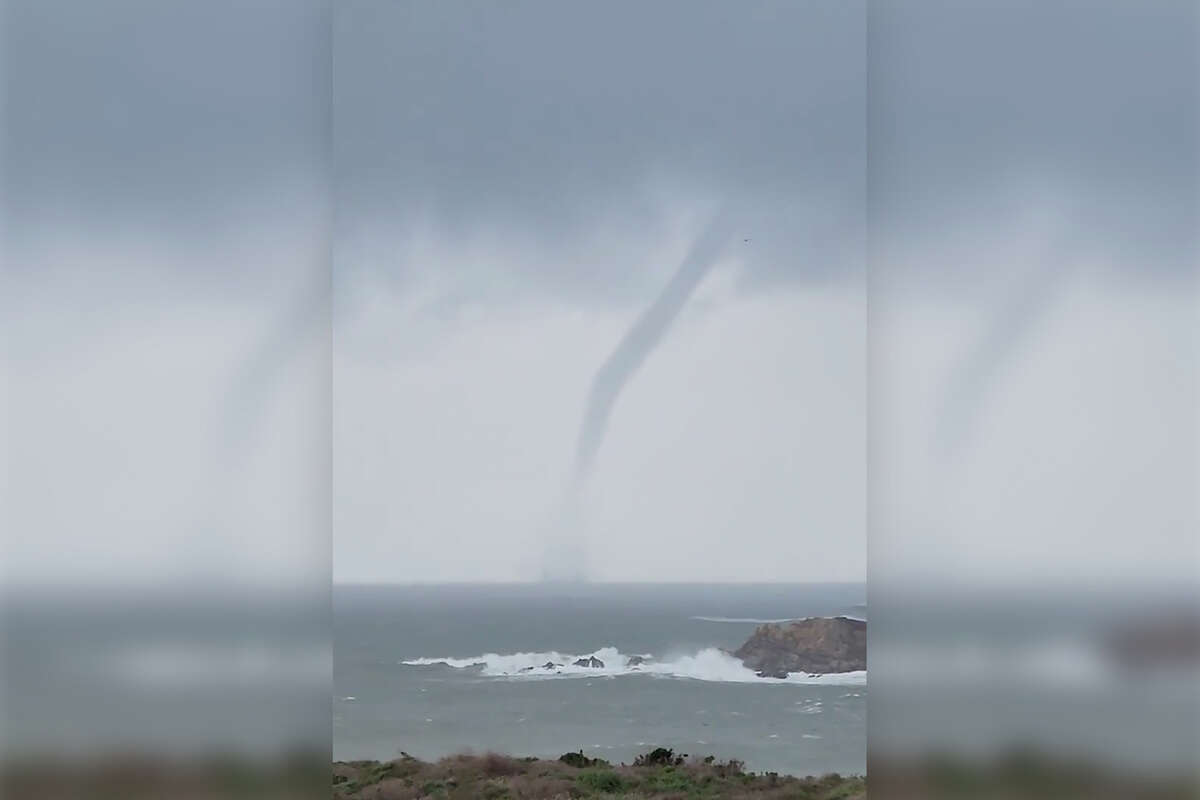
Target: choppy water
(438, 669)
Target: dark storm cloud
(976, 108)
(165, 118)
(548, 118)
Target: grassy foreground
(659, 774)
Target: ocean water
(433, 670)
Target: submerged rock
(815, 645)
(590, 661)
(778, 673)
(551, 665)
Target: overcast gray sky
(503, 194)
(515, 185)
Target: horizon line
(596, 583)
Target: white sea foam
(808, 707)
(709, 664)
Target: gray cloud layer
(978, 110)
(549, 119)
(187, 124)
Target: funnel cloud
(565, 557)
(641, 339)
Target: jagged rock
(635, 661)
(815, 645)
(590, 661)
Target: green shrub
(668, 780)
(601, 780)
(580, 760)
(659, 757)
(495, 791)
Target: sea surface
(434, 670)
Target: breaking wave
(709, 664)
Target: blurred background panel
(166, 379)
(1033, 405)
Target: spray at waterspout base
(565, 557)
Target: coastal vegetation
(660, 773)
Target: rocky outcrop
(590, 661)
(1172, 640)
(815, 646)
(636, 661)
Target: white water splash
(709, 664)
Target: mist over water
(565, 556)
